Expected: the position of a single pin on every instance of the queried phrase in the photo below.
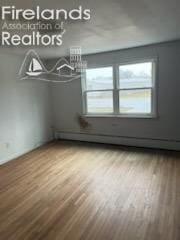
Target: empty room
(90, 120)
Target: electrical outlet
(4, 146)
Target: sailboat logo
(35, 68)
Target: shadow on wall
(83, 122)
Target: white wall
(163, 131)
(25, 118)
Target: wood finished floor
(80, 191)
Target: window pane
(135, 101)
(135, 75)
(100, 102)
(99, 78)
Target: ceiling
(114, 24)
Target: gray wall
(25, 118)
(67, 101)
(26, 107)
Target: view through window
(135, 84)
(99, 90)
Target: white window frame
(116, 90)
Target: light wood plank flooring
(80, 191)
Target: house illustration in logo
(65, 70)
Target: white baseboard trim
(126, 141)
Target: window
(122, 90)
(135, 84)
(99, 90)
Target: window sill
(135, 116)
